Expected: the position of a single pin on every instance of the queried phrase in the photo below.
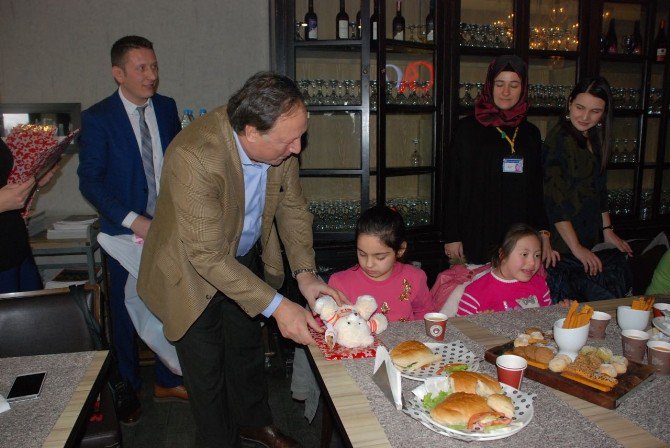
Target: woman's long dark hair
(600, 137)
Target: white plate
(662, 323)
(523, 414)
(452, 352)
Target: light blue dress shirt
(255, 181)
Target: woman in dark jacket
(576, 152)
(18, 271)
(494, 170)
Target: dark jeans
(569, 281)
(222, 359)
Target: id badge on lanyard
(512, 165)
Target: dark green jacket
(574, 187)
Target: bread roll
(619, 367)
(604, 353)
(587, 349)
(411, 355)
(543, 355)
(620, 364)
(501, 403)
(474, 383)
(607, 369)
(522, 340)
(559, 363)
(619, 359)
(458, 407)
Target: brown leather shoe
(267, 436)
(163, 394)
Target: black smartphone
(26, 387)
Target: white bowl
(570, 340)
(630, 319)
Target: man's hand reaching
(293, 322)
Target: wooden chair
(54, 321)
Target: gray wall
(58, 51)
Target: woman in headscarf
(576, 152)
(494, 170)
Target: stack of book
(71, 228)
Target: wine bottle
(342, 23)
(610, 45)
(311, 32)
(661, 43)
(636, 44)
(398, 22)
(359, 24)
(374, 19)
(430, 23)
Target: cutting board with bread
(592, 389)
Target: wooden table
(359, 425)
(41, 422)
(73, 418)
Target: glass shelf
(487, 24)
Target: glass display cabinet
(375, 108)
(382, 110)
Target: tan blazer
(189, 253)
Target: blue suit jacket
(111, 175)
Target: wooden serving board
(634, 376)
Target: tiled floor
(170, 425)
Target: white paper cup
(634, 344)
(598, 324)
(658, 356)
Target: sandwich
(502, 404)
(411, 355)
(474, 383)
(463, 411)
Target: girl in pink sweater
(514, 281)
(400, 289)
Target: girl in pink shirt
(400, 289)
(514, 281)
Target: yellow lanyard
(504, 136)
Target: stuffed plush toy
(350, 325)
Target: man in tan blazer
(229, 191)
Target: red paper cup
(436, 323)
(510, 370)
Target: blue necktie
(148, 162)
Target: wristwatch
(300, 271)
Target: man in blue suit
(123, 139)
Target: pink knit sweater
(402, 296)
